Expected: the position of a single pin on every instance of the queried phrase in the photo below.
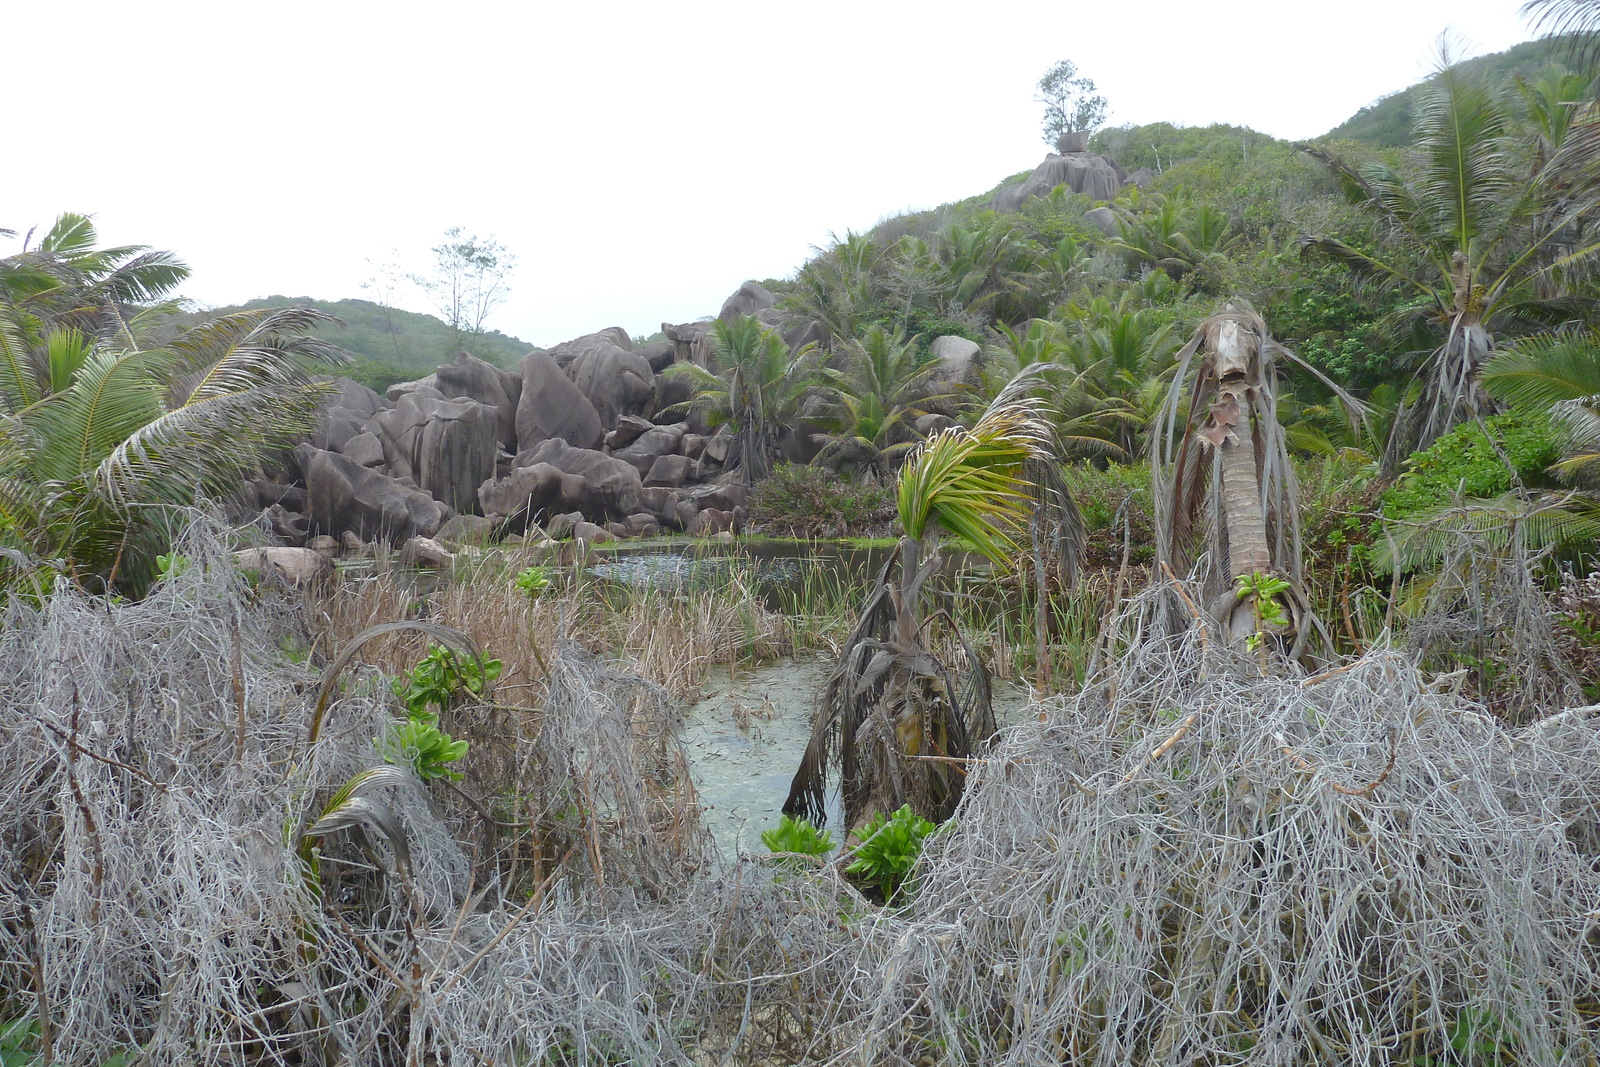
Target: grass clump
(804, 501)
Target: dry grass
(1190, 861)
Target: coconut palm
(1227, 510)
(1559, 374)
(753, 385)
(114, 438)
(65, 286)
(875, 390)
(1489, 234)
(895, 721)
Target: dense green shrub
(1464, 462)
(804, 501)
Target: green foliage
(103, 433)
(1269, 611)
(533, 580)
(419, 743)
(797, 835)
(800, 500)
(19, 1046)
(389, 345)
(1070, 102)
(1465, 463)
(1387, 122)
(889, 849)
(172, 564)
(18, 1040)
(440, 676)
(436, 680)
(970, 484)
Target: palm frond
(970, 482)
(1537, 373)
(112, 396)
(1547, 521)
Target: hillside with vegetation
(1386, 122)
(388, 344)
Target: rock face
(750, 299)
(1095, 176)
(1102, 219)
(611, 486)
(471, 377)
(552, 408)
(447, 447)
(956, 357)
(690, 341)
(344, 496)
(651, 445)
(346, 413)
(568, 351)
(615, 381)
(528, 495)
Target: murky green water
(744, 739)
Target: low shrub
(1464, 462)
(800, 500)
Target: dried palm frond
(1226, 500)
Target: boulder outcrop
(552, 408)
(447, 447)
(475, 379)
(1095, 176)
(345, 413)
(611, 486)
(342, 496)
(616, 382)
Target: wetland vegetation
(1170, 642)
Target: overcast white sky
(642, 159)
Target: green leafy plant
(170, 565)
(800, 500)
(889, 849)
(439, 676)
(419, 742)
(1269, 610)
(434, 682)
(533, 580)
(18, 1039)
(797, 835)
(1465, 462)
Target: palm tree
(1227, 509)
(895, 721)
(63, 286)
(1490, 234)
(1556, 374)
(92, 470)
(839, 287)
(875, 391)
(753, 386)
(101, 439)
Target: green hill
(390, 345)
(1386, 123)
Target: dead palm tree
(895, 721)
(1227, 513)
